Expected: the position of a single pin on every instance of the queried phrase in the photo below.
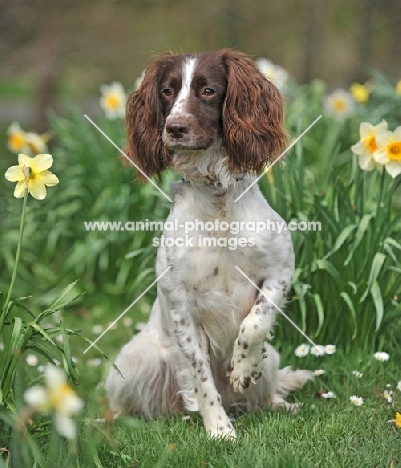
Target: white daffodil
(17, 139)
(302, 350)
(367, 145)
(274, 73)
(381, 356)
(330, 349)
(328, 395)
(33, 174)
(388, 151)
(112, 100)
(319, 372)
(56, 396)
(339, 104)
(356, 400)
(36, 143)
(317, 350)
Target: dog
(215, 120)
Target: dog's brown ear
(144, 124)
(253, 132)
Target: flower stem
(17, 257)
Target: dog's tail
(290, 380)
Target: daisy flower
(319, 372)
(94, 362)
(32, 360)
(302, 350)
(127, 321)
(398, 387)
(355, 400)
(330, 349)
(387, 394)
(328, 395)
(388, 151)
(274, 73)
(357, 374)
(97, 329)
(58, 397)
(17, 139)
(360, 92)
(139, 326)
(381, 356)
(317, 350)
(33, 174)
(112, 100)
(339, 104)
(397, 419)
(367, 145)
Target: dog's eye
(168, 92)
(208, 92)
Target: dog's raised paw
(244, 374)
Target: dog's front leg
(247, 361)
(193, 343)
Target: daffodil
(367, 145)
(356, 400)
(17, 139)
(36, 143)
(33, 174)
(317, 350)
(397, 419)
(58, 397)
(112, 100)
(381, 356)
(339, 104)
(398, 87)
(388, 151)
(360, 92)
(302, 350)
(274, 73)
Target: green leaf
(343, 236)
(330, 268)
(55, 304)
(378, 301)
(320, 312)
(362, 227)
(345, 296)
(374, 273)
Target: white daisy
(317, 350)
(388, 395)
(113, 99)
(97, 329)
(319, 372)
(339, 104)
(140, 325)
(398, 387)
(94, 362)
(127, 321)
(357, 374)
(32, 360)
(328, 395)
(302, 350)
(330, 349)
(274, 73)
(357, 401)
(381, 356)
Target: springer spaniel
(216, 120)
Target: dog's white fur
(204, 347)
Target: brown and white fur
(216, 120)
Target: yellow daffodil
(112, 100)
(17, 139)
(360, 92)
(398, 87)
(397, 419)
(56, 396)
(33, 174)
(367, 145)
(339, 104)
(388, 151)
(35, 143)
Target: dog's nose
(177, 129)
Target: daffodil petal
(37, 397)
(72, 403)
(54, 377)
(366, 162)
(14, 174)
(41, 162)
(37, 189)
(384, 138)
(24, 160)
(393, 168)
(359, 148)
(366, 129)
(381, 156)
(19, 190)
(48, 178)
(65, 426)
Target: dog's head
(191, 102)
